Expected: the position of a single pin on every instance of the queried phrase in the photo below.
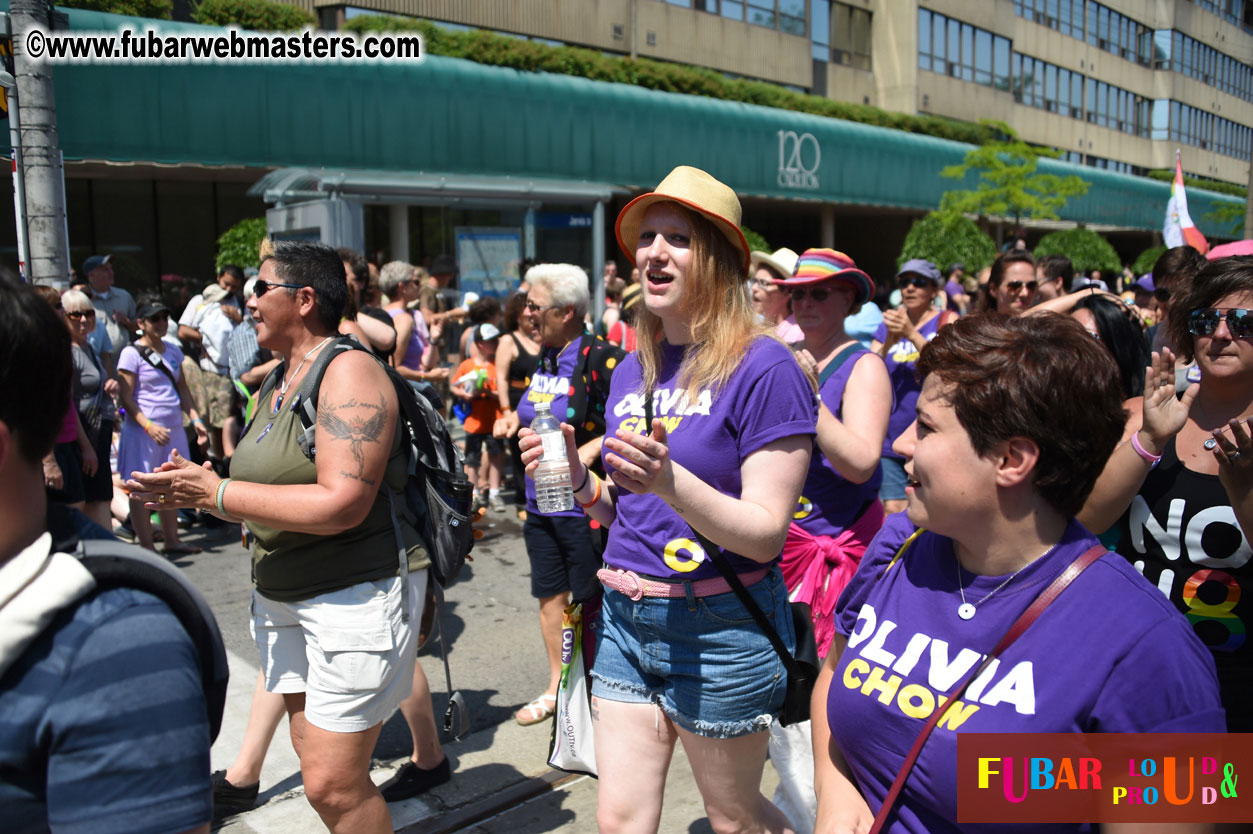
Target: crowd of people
(913, 458)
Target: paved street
(501, 782)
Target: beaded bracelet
(595, 496)
(1151, 459)
(222, 494)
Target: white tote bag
(573, 746)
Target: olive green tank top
(289, 566)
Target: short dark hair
(35, 369)
(484, 310)
(315, 265)
(1058, 266)
(1039, 377)
(1180, 264)
(1122, 338)
(356, 262)
(233, 271)
(1217, 280)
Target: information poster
(488, 259)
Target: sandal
(541, 709)
(182, 549)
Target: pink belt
(637, 587)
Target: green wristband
(222, 494)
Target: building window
(960, 50)
(1180, 53)
(850, 36)
(820, 27)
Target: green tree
(1086, 249)
(1145, 260)
(756, 242)
(948, 238)
(240, 244)
(1229, 216)
(159, 9)
(1009, 185)
(261, 15)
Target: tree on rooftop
(1009, 185)
(159, 9)
(260, 15)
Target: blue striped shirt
(103, 724)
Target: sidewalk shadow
(395, 742)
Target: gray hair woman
(93, 398)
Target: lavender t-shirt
(553, 388)
(829, 502)
(156, 396)
(905, 388)
(766, 399)
(1111, 654)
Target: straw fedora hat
(817, 265)
(783, 261)
(694, 189)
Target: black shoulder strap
(263, 394)
(834, 364)
(150, 356)
(117, 565)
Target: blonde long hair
(721, 317)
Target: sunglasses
(262, 287)
(1205, 322)
(818, 294)
(532, 307)
(1162, 294)
(916, 281)
(1016, 286)
(82, 314)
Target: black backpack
(117, 565)
(437, 495)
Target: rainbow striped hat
(817, 265)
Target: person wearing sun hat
(725, 455)
(765, 271)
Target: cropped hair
(1058, 266)
(1123, 338)
(314, 265)
(233, 271)
(486, 309)
(392, 275)
(35, 369)
(75, 301)
(1178, 265)
(566, 284)
(1215, 282)
(720, 314)
(1042, 378)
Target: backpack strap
(834, 364)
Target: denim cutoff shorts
(893, 486)
(703, 661)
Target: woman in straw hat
(770, 300)
(679, 658)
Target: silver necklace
(282, 391)
(967, 609)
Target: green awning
(449, 116)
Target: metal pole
(598, 259)
(48, 256)
(19, 180)
(1248, 201)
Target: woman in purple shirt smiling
(679, 658)
(1014, 424)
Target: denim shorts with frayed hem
(893, 486)
(703, 661)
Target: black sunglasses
(916, 281)
(262, 287)
(1016, 286)
(1205, 322)
(818, 294)
(82, 314)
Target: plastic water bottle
(553, 490)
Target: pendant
(966, 611)
(278, 404)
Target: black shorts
(70, 459)
(474, 448)
(563, 556)
(99, 487)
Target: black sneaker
(412, 780)
(228, 799)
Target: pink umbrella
(1238, 247)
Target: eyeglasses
(262, 287)
(1205, 322)
(1016, 286)
(818, 294)
(1162, 294)
(532, 307)
(81, 314)
(916, 281)
(762, 284)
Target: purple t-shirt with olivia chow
(553, 387)
(830, 502)
(1111, 654)
(766, 399)
(900, 360)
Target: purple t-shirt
(1084, 666)
(953, 289)
(552, 388)
(766, 399)
(156, 396)
(905, 388)
(829, 502)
